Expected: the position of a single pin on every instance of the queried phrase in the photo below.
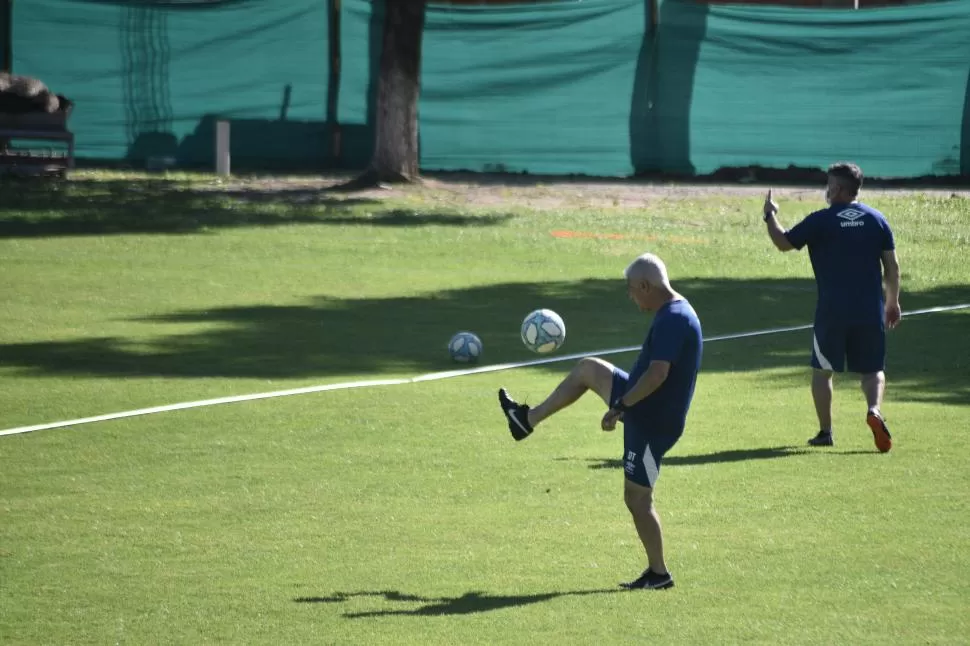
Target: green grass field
(406, 514)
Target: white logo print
(851, 217)
(630, 465)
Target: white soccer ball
(465, 347)
(543, 331)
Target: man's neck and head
(648, 285)
(844, 184)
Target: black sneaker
(650, 580)
(824, 438)
(517, 415)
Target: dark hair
(848, 175)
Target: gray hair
(650, 268)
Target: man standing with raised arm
(853, 251)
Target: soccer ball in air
(465, 347)
(543, 331)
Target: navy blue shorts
(644, 444)
(856, 348)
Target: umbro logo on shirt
(851, 217)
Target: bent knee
(637, 497)
(596, 375)
(593, 366)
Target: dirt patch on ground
(551, 192)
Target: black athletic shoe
(824, 438)
(517, 415)
(650, 580)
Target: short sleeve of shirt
(668, 339)
(888, 241)
(805, 232)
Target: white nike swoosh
(511, 416)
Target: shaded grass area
(97, 207)
(325, 338)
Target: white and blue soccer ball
(543, 331)
(465, 347)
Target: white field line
(420, 378)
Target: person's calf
(822, 397)
(873, 386)
(639, 500)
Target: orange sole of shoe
(879, 434)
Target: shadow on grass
(325, 337)
(929, 356)
(468, 603)
(719, 457)
(163, 206)
(722, 457)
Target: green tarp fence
(149, 81)
(560, 87)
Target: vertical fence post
(222, 147)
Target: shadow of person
(469, 603)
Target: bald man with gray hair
(651, 400)
(650, 268)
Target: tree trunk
(396, 133)
(6, 34)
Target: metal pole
(222, 147)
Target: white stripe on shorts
(822, 361)
(650, 466)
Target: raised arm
(775, 231)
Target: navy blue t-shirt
(845, 243)
(674, 336)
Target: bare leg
(822, 395)
(588, 374)
(874, 385)
(639, 500)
